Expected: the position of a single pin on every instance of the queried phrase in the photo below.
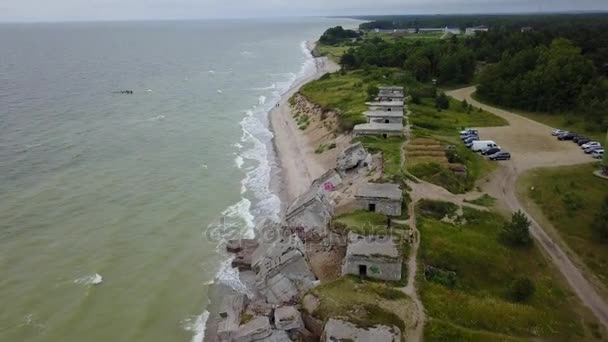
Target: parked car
(490, 151)
(482, 144)
(589, 144)
(558, 132)
(469, 131)
(566, 136)
(465, 137)
(500, 156)
(470, 140)
(598, 154)
(583, 141)
(590, 149)
(577, 138)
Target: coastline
(297, 165)
(294, 165)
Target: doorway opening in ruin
(372, 207)
(363, 270)
(385, 136)
(385, 121)
(389, 110)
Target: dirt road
(532, 146)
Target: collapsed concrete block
(310, 213)
(255, 330)
(288, 318)
(352, 157)
(230, 316)
(338, 330)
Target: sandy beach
(298, 163)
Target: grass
(484, 201)
(569, 197)
(442, 127)
(448, 122)
(391, 151)
(346, 92)
(364, 223)
(563, 121)
(477, 304)
(332, 52)
(363, 303)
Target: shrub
(600, 224)
(437, 209)
(442, 101)
(517, 232)
(521, 289)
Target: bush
(372, 92)
(437, 209)
(517, 232)
(442, 101)
(600, 224)
(521, 290)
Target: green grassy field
(476, 305)
(332, 52)
(391, 149)
(448, 122)
(569, 197)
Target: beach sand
(298, 163)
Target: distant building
(381, 129)
(388, 106)
(377, 116)
(452, 30)
(385, 198)
(375, 256)
(473, 30)
(526, 29)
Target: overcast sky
(60, 10)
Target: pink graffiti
(329, 187)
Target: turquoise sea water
(105, 198)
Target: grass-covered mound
(364, 303)
(570, 197)
(475, 287)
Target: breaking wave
(94, 279)
(196, 325)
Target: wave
(94, 279)
(196, 325)
(271, 87)
(239, 161)
(262, 100)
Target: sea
(114, 205)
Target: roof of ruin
(380, 190)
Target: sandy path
(532, 146)
(299, 166)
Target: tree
(442, 101)
(605, 160)
(521, 289)
(464, 104)
(517, 232)
(599, 226)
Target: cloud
(191, 9)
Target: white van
(483, 144)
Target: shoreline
(296, 165)
(293, 168)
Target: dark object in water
(124, 92)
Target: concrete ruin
(378, 116)
(339, 330)
(384, 198)
(282, 271)
(382, 129)
(391, 93)
(288, 318)
(310, 213)
(352, 157)
(328, 182)
(386, 106)
(256, 329)
(230, 317)
(374, 256)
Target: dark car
(583, 141)
(567, 136)
(577, 138)
(469, 136)
(470, 140)
(500, 156)
(490, 151)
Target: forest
(555, 67)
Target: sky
(69, 10)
